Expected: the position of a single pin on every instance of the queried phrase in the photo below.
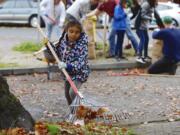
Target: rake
(79, 96)
(79, 99)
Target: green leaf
(53, 129)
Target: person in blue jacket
(119, 26)
(171, 49)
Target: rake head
(84, 112)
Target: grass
(5, 65)
(100, 50)
(99, 46)
(129, 52)
(27, 47)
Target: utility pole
(39, 21)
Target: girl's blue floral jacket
(75, 55)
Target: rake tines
(114, 117)
(107, 117)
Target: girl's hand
(62, 65)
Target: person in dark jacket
(134, 8)
(147, 8)
(171, 49)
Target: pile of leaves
(14, 131)
(65, 128)
(88, 114)
(135, 71)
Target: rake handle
(73, 86)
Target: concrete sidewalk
(27, 64)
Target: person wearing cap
(171, 49)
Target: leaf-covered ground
(64, 128)
(144, 98)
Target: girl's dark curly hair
(71, 24)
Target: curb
(116, 65)
(47, 69)
(21, 71)
(93, 66)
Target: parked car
(166, 9)
(163, 8)
(20, 12)
(169, 9)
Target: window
(22, 4)
(9, 4)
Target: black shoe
(120, 58)
(117, 58)
(123, 58)
(173, 69)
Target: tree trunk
(12, 113)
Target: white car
(164, 9)
(169, 9)
(20, 12)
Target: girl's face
(73, 33)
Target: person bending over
(171, 49)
